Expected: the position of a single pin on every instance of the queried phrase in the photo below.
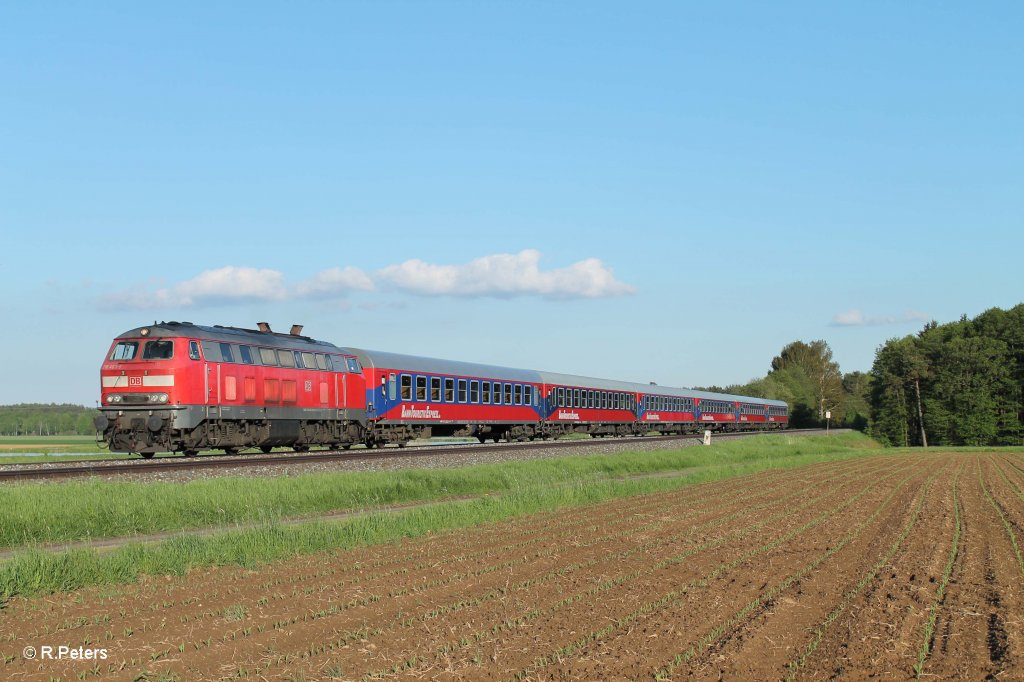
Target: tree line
(46, 420)
(958, 383)
(809, 380)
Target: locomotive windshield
(125, 350)
(158, 350)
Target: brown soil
(831, 571)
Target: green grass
(39, 513)
(47, 444)
(47, 513)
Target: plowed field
(879, 568)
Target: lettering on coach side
(571, 416)
(425, 413)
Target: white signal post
(828, 417)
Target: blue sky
(642, 191)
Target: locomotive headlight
(114, 398)
(158, 398)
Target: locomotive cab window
(353, 366)
(193, 350)
(162, 349)
(125, 350)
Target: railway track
(31, 471)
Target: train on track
(181, 387)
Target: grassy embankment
(42, 513)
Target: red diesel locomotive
(180, 387)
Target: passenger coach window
(406, 387)
(421, 388)
(435, 389)
(508, 394)
(474, 391)
(126, 350)
(497, 393)
(462, 390)
(449, 390)
(487, 393)
(158, 350)
(528, 396)
(268, 357)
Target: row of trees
(807, 377)
(46, 420)
(960, 383)
(952, 384)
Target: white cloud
(334, 282)
(223, 285)
(500, 275)
(505, 275)
(855, 318)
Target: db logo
(309, 386)
(134, 381)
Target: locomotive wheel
(190, 453)
(265, 449)
(147, 455)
